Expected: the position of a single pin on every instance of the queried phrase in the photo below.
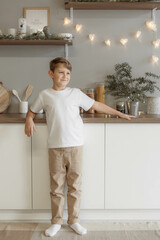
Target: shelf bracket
(71, 14)
(66, 50)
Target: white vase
(153, 105)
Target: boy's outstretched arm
(29, 125)
(101, 107)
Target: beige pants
(65, 163)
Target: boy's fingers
(34, 128)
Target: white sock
(78, 228)
(52, 230)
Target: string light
(155, 59)
(91, 37)
(67, 21)
(151, 25)
(137, 34)
(156, 43)
(78, 27)
(108, 42)
(123, 41)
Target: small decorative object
(65, 36)
(153, 105)
(36, 18)
(12, 31)
(123, 85)
(33, 31)
(120, 106)
(22, 26)
(46, 31)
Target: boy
(65, 141)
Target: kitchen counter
(87, 118)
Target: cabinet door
(40, 168)
(93, 168)
(15, 167)
(132, 166)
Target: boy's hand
(29, 127)
(126, 116)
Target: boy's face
(60, 76)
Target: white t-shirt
(65, 125)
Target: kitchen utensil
(16, 94)
(28, 92)
(4, 98)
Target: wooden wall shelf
(35, 42)
(112, 5)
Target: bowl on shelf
(65, 36)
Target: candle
(12, 31)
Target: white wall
(21, 65)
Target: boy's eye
(68, 73)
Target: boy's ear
(50, 73)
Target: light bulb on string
(91, 37)
(123, 41)
(151, 25)
(67, 21)
(154, 59)
(137, 34)
(108, 42)
(156, 43)
(78, 27)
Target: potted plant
(134, 90)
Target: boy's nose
(65, 75)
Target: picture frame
(36, 18)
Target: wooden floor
(96, 231)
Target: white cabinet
(132, 166)
(40, 168)
(93, 168)
(15, 167)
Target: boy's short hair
(59, 60)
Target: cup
(23, 107)
(12, 31)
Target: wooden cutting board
(5, 98)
